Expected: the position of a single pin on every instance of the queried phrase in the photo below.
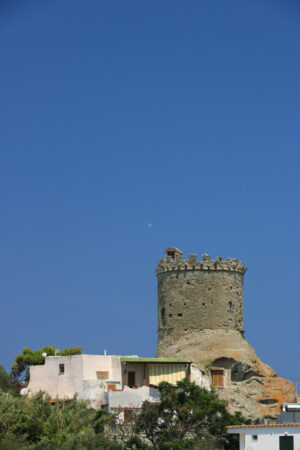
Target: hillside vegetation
(188, 417)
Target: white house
(110, 382)
(268, 437)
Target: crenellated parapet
(173, 261)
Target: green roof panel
(154, 360)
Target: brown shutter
(217, 377)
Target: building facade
(268, 437)
(109, 381)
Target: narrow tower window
(229, 306)
(163, 317)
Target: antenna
(296, 383)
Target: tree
(186, 417)
(7, 381)
(30, 357)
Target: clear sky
(131, 126)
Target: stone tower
(198, 295)
(200, 318)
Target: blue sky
(116, 115)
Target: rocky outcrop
(252, 387)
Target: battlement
(173, 261)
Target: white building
(110, 382)
(268, 437)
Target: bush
(36, 423)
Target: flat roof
(153, 360)
(272, 425)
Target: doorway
(131, 379)
(286, 442)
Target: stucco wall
(80, 376)
(199, 378)
(94, 391)
(267, 438)
(132, 397)
(47, 377)
(93, 363)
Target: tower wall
(197, 295)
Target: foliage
(187, 417)
(36, 423)
(30, 357)
(7, 381)
(88, 440)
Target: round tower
(198, 295)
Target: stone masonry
(200, 317)
(199, 295)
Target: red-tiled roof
(54, 400)
(272, 425)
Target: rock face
(200, 317)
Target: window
(171, 254)
(217, 376)
(163, 317)
(254, 437)
(179, 315)
(61, 369)
(101, 375)
(229, 306)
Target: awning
(166, 372)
